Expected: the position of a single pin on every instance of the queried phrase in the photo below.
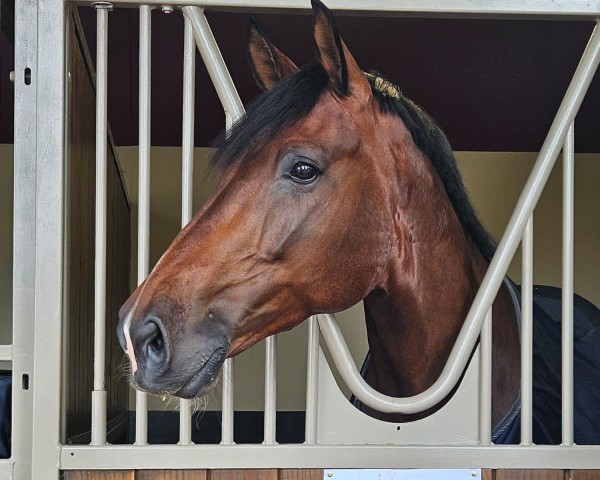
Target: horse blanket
(547, 360)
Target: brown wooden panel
(243, 474)
(488, 474)
(100, 475)
(583, 475)
(530, 474)
(301, 474)
(171, 475)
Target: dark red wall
(490, 84)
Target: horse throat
(414, 319)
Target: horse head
(298, 224)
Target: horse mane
(294, 97)
(432, 141)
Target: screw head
(167, 9)
(103, 5)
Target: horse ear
(345, 75)
(268, 63)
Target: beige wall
(494, 181)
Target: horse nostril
(152, 340)
(157, 343)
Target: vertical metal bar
(228, 372)
(485, 399)
(227, 405)
(189, 74)
(187, 182)
(49, 246)
(567, 285)
(270, 390)
(99, 393)
(141, 418)
(312, 378)
(234, 109)
(24, 238)
(527, 335)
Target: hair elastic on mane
(296, 95)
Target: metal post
(141, 406)
(234, 109)
(187, 183)
(24, 235)
(270, 389)
(49, 259)
(228, 372)
(99, 393)
(527, 336)
(485, 399)
(567, 286)
(312, 379)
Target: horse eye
(303, 172)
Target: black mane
(295, 96)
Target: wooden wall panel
(100, 475)
(312, 474)
(243, 474)
(522, 474)
(171, 475)
(301, 474)
(583, 475)
(80, 230)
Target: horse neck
(414, 318)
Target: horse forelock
(272, 112)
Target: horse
(334, 188)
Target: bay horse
(334, 188)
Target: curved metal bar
(211, 55)
(490, 285)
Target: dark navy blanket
(547, 364)
(547, 384)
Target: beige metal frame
(39, 240)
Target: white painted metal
(187, 182)
(215, 65)
(312, 380)
(187, 144)
(270, 389)
(227, 403)
(567, 285)
(228, 371)
(527, 335)
(6, 353)
(485, 382)
(99, 393)
(340, 423)
(49, 217)
(327, 456)
(24, 237)
(404, 474)
(48, 264)
(459, 8)
(7, 469)
(145, 91)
